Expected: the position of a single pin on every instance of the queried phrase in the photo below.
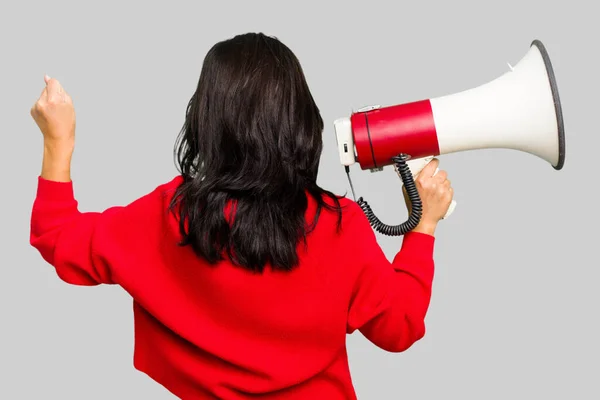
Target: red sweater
(222, 332)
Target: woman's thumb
(46, 79)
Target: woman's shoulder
(340, 206)
(163, 191)
(155, 197)
(168, 188)
(346, 204)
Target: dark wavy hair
(251, 143)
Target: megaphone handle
(417, 166)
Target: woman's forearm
(56, 165)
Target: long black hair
(251, 143)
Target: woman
(245, 275)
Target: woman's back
(241, 332)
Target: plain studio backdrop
(514, 313)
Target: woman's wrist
(426, 227)
(56, 165)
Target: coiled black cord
(415, 200)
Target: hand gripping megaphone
(520, 110)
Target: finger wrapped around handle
(416, 166)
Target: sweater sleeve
(390, 299)
(76, 243)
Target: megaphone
(520, 110)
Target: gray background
(514, 313)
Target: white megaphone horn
(520, 110)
